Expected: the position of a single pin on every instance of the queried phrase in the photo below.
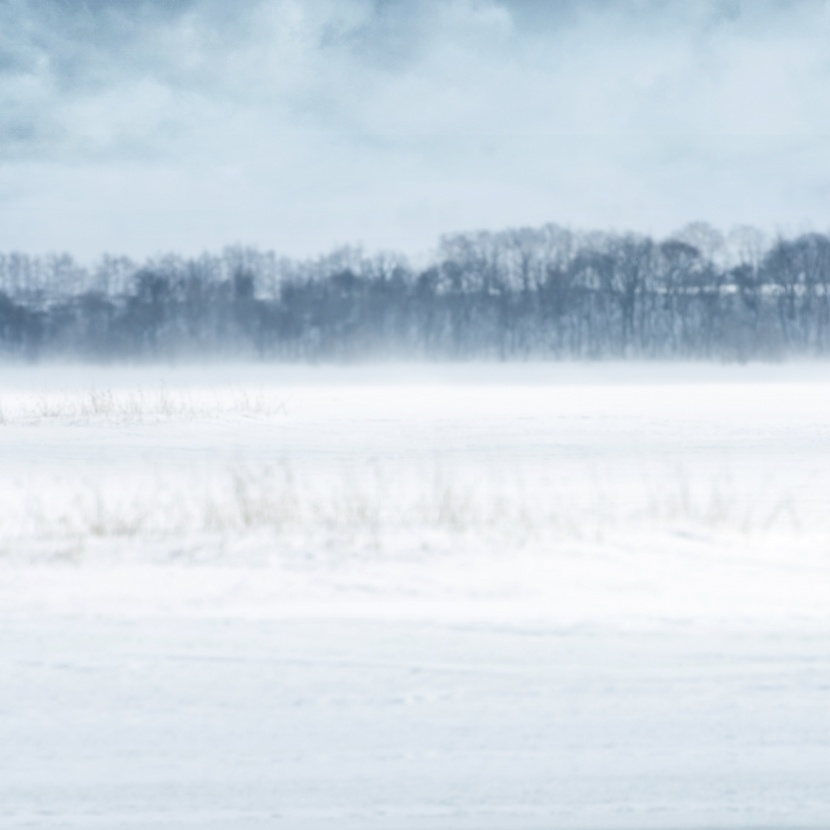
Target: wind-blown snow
(512, 596)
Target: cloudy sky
(139, 126)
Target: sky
(143, 126)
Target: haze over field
(414, 414)
(151, 125)
(468, 596)
(614, 493)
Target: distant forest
(531, 293)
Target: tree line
(531, 293)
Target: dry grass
(135, 405)
(384, 510)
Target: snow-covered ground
(458, 596)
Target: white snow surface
(503, 596)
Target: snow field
(432, 597)
(304, 724)
(652, 492)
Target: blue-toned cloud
(146, 125)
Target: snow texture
(409, 597)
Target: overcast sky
(139, 126)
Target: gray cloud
(299, 124)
